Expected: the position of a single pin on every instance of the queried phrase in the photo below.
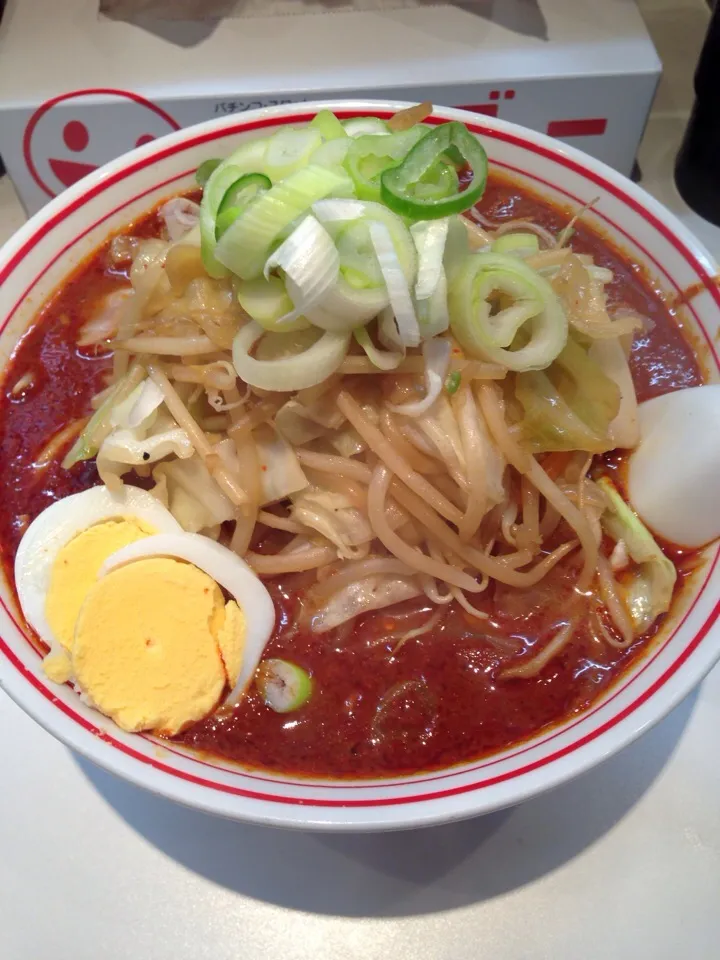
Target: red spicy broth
(438, 700)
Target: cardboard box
(78, 88)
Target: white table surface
(621, 864)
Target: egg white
(672, 474)
(57, 525)
(226, 569)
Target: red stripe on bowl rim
(47, 226)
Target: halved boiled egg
(146, 634)
(672, 475)
(61, 553)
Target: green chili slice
(439, 182)
(328, 125)
(398, 184)
(237, 197)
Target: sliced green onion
(387, 330)
(245, 246)
(355, 245)
(382, 359)
(332, 153)
(290, 150)
(396, 283)
(238, 197)
(283, 344)
(436, 354)
(452, 384)
(339, 211)
(267, 302)
(250, 156)
(358, 263)
(521, 244)
(220, 181)
(226, 219)
(329, 127)
(369, 156)
(398, 184)
(206, 169)
(429, 237)
(432, 313)
(344, 307)
(486, 328)
(310, 262)
(360, 126)
(288, 373)
(283, 685)
(360, 292)
(457, 246)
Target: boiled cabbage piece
(570, 405)
(649, 591)
(362, 596)
(333, 516)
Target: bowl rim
(401, 812)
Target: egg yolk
(155, 645)
(229, 628)
(76, 569)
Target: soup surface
(382, 704)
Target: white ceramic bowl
(42, 254)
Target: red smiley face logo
(60, 148)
